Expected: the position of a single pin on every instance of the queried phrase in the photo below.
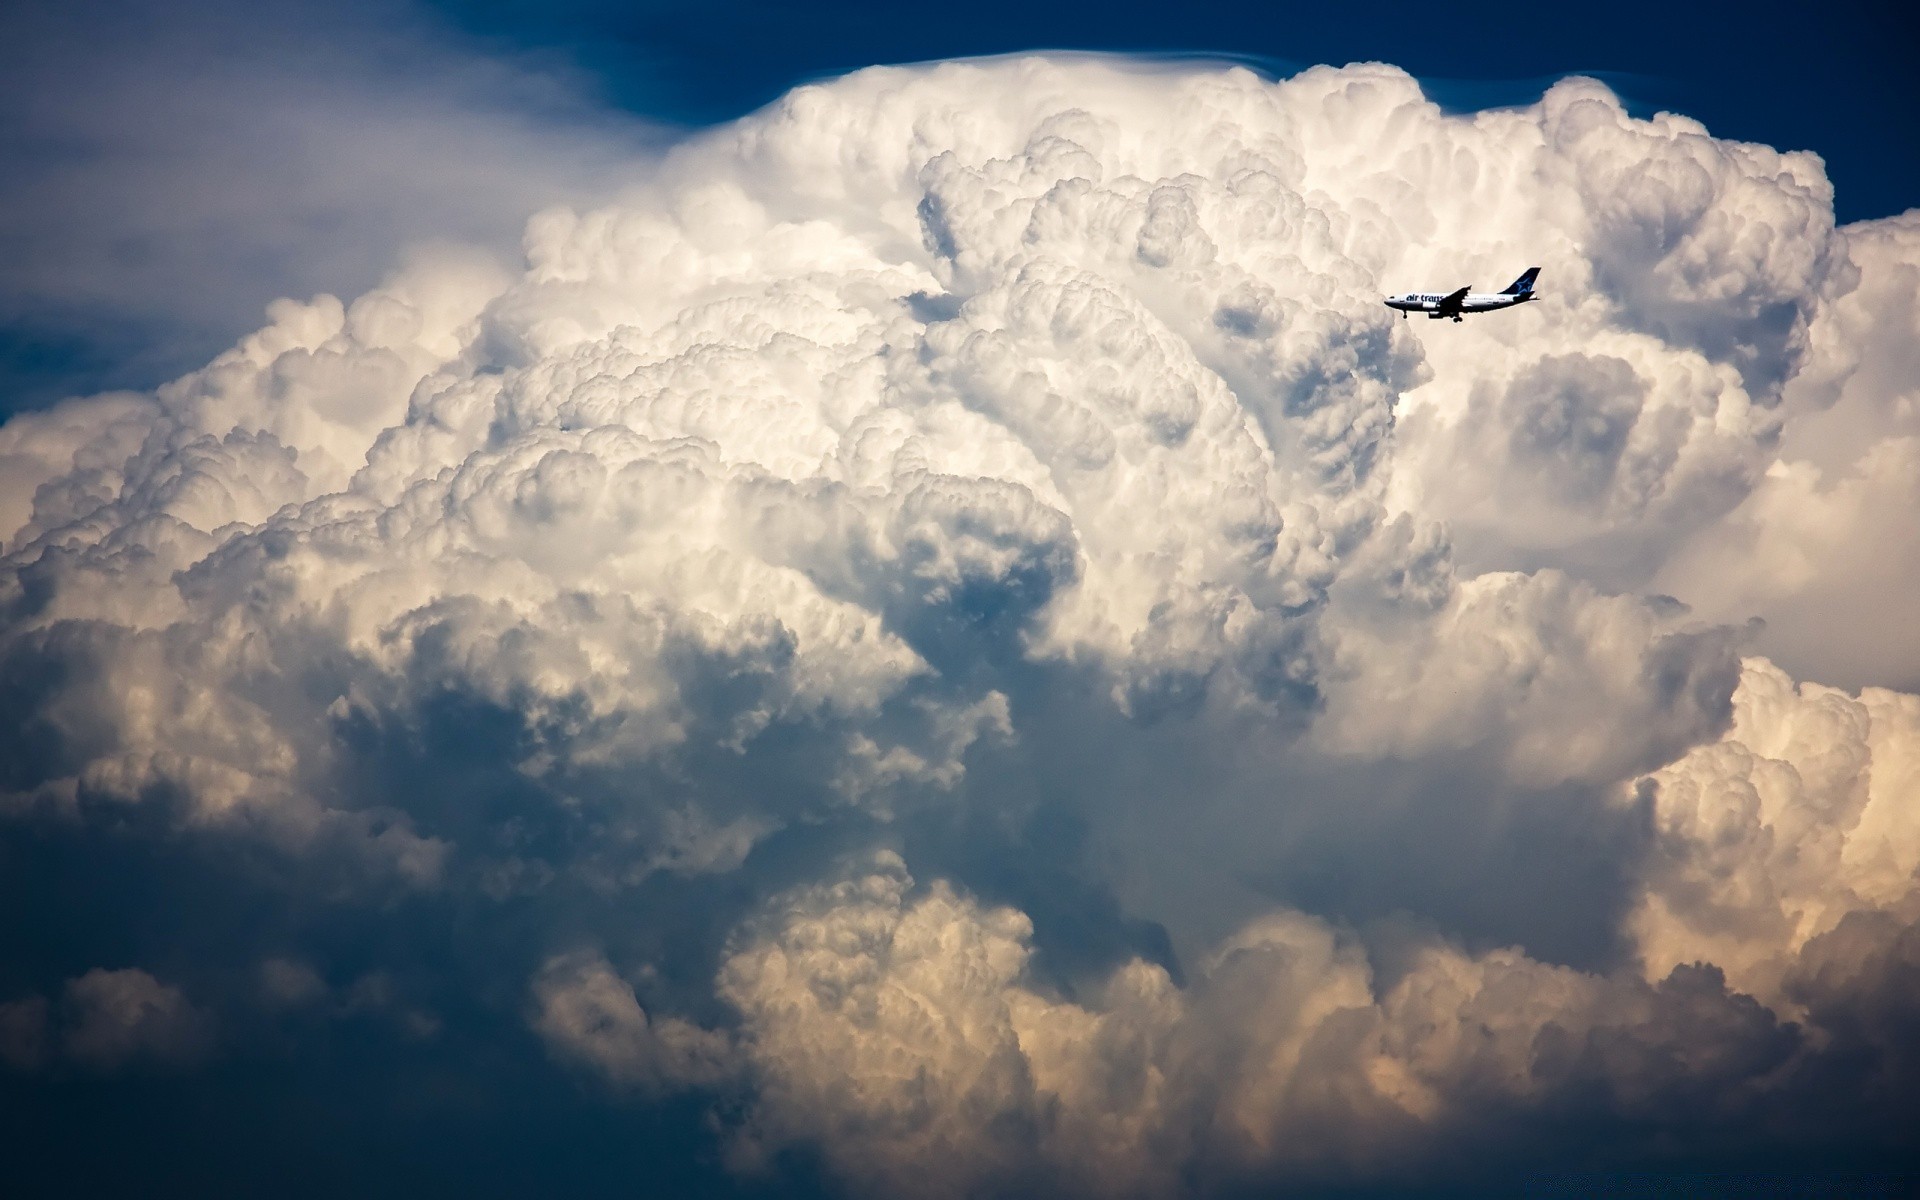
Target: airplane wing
(1450, 306)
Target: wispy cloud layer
(173, 168)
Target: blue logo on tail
(1522, 285)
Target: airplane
(1466, 300)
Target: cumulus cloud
(588, 1013)
(1310, 745)
(1818, 547)
(899, 1028)
(1803, 815)
(105, 1020)
(119, 1016)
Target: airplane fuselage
(1458, 303)
(1472, 302)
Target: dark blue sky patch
(1764, 72)
(481, 1114)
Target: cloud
(118, 1016)
(256, 149)
(1814, 547)
(1800, 817)
(900, 1031)
(105, 1020)
(589, 1014)
(952, 626)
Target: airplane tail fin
(1524, 285)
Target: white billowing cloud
(1724, 246)
(1822, 548)
(1831, 561)
(1859, 385)
(1611, 445)
(41, 448)
(1051, 318)
(886, 1033)
(1808, 810)
(1567, 684)
(1639, 402)
(900, 1031)
(935, 426)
